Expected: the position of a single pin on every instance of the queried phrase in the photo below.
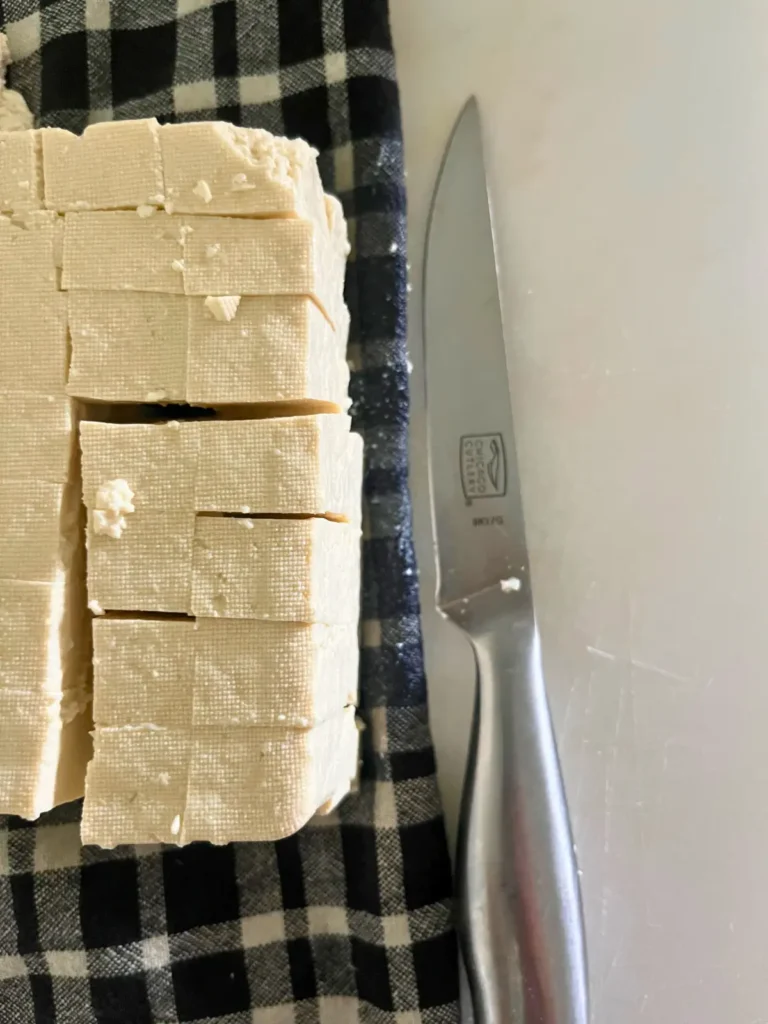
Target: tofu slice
(40, 528)
(21, 179)
(44, 694)
(276, 349)
(170, 348)
(288, 570)
(147, 568)
(212, 167)
(121, 251)
(296, 465)
(149, 784)
(33, 312)
(300, 465)
(208, 672)
(111, 166)
(38, 434)
(237, 256)
(127, 347)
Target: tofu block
(147, 568)
(149, 784)
(288, 570)
(111, 166)
(297, 465)
(44, 696)
(158, 460)
(21, 181)
(121, 251)
(38, 433)
(128, 348)
(40, 527)
(237, 256)
(276, 349)
(33, 312)
(301, 465)
(170, 348)
(176, 674)
(212, 167)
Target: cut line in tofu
(218, 784)
(278, 351)
(303, 465)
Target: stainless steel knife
(520, 918)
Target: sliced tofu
(237, 256)
(44, 694)
(121, 251)
(33, 312)
(127, 347)
(212, 167)
(38, 435)
(21, 180)
(286, 570)
(297, 465)
(111, 166)
(40, 527)
(301, 465)
(276, 349)
(149, 784)
(171, 348)
(222, 672)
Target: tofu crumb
(176, 825)
(203, 191)
(114, 500)
(512, 584)
(164, 778)
(95, 607)
(177, 265)
(223, 307)
(145, 210)
(156, 396)
(212, 250)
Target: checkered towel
(349, 921)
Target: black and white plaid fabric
(349, 921)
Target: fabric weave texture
(351, 920)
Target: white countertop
(628, 153)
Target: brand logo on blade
(483, 466)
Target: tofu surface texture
(203, 567)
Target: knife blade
(520, 917)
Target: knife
(519, 906)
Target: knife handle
(520, 916)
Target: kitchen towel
(349, 921)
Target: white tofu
(302, 465)
(21, 180)
(149, 785)
(39, 529)
(222, 672)
(147, 568)
(44, 699)
(287, 570)
(33, 312)
(237, 256)
(169, 348)
(127, 347)
(120, 251)
(158, 460)
(297, 465)
(111, 166)
(212, 167)
(275, 349)
(38, 433)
